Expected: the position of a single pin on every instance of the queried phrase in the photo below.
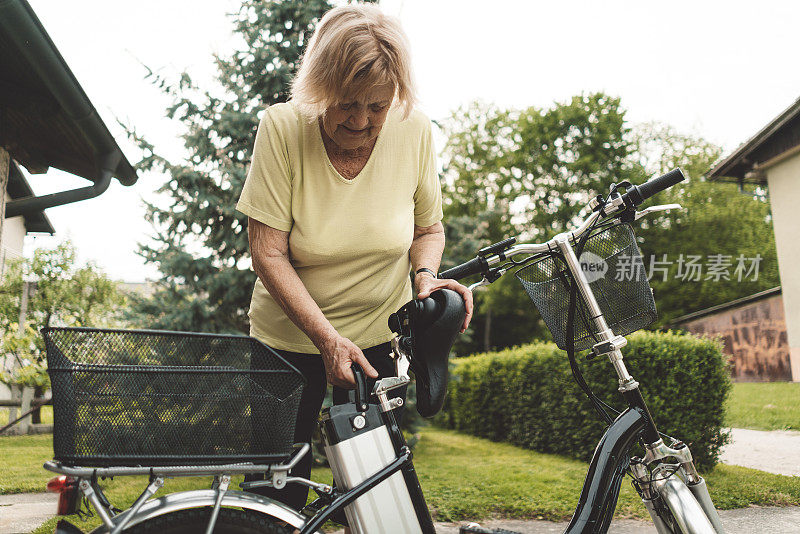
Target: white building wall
(13, 237)
(783, 180)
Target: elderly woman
(343, 203)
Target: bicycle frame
(596, 503)
(609, 461)
(690, 507)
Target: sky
(721, 70)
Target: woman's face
(356, 123)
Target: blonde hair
(354, 49)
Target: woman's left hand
(427, 284)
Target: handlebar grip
(473, 266)
(639, 193)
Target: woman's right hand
(269, 248)
(338, 354)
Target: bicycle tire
(194, 520)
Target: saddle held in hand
(428, 329)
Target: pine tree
(201, 244)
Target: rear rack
(222, 473)
(242, 468)
(168, 471)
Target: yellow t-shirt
(348, 239)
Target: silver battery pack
(357, 446)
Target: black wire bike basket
(141, 397)
(616, 273)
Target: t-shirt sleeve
(267, 192)
(428, 196)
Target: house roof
(726, 306)
(775, 141)
(18, 187)
(46, 118)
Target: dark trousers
(312, 368)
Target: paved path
(741, 521)
(26, 511)
(777, 451)
(31, 509)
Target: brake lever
(476, 285)
(487, 279)
(653, 209)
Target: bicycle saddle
(428, 329)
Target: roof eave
(20, 23)
(726, 306)
(726, 167)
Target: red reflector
(67, 488)
(59, 484)
(67, 501)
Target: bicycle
(166, 404)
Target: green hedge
(526, 395)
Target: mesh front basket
(128, 397)
(613, 266)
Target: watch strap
(425, 270)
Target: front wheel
(195, 520)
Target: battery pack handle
(361, 387)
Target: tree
(65, 295)
(526, 173)
(534, 168)
(722, 231)
(659, 148)
(201, 243)
(512, 172)
(719, 248)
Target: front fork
(658, 484)
(663, 489)
(660, 487)
(649, 486)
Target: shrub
(526, 395)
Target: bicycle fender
(688, 513)
(184, 500)
(601, 487)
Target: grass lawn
(764, 406)
(463, 478)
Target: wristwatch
(425, 270)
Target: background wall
(755, 339)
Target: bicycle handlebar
(473, 266)
(637, 194)
(633, 196)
